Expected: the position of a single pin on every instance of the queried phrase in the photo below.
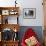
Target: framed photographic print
(29, 13)
(5, 12)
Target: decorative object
(29, 13)
(7, 34)
(13, 12)
(5, 12)
(15, 37)
(15, 3)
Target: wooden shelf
(9, 43)
(4, 13)
(5, 8)
(9, 9)
(11, 26)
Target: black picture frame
(29, 13)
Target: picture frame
(5, 12)
(29, 13)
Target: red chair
(29, 33)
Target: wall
(39, 13)
(27, 4)
(7, 3)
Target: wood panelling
(44, 6)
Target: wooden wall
(44, 6)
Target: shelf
(8, 15)
(9, 10)
(6, 12)
(10, 26)
(11, 41)
(10, 19)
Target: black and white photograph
(29, 13)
